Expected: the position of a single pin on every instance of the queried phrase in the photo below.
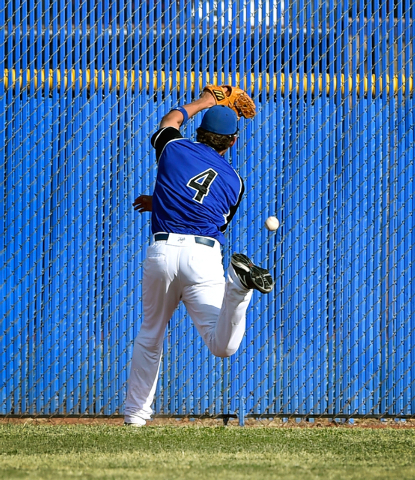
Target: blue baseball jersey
(197, 191)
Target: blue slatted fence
(330, 153)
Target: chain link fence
(84, 84)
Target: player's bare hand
(143, 203)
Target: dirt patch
(216, 422)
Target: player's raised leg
(218, 309)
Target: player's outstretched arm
(143, 203)
(175, 117)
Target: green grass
(112, 452)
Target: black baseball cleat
(250, 275)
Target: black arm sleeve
(162, 137)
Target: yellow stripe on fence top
(48, 80)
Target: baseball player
(196, 194)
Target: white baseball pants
(180, 269)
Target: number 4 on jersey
(201, 183)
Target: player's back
(195, 190)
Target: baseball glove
(233, 97)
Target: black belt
(204, 241)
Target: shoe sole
(260, 277)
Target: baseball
(272, 223)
